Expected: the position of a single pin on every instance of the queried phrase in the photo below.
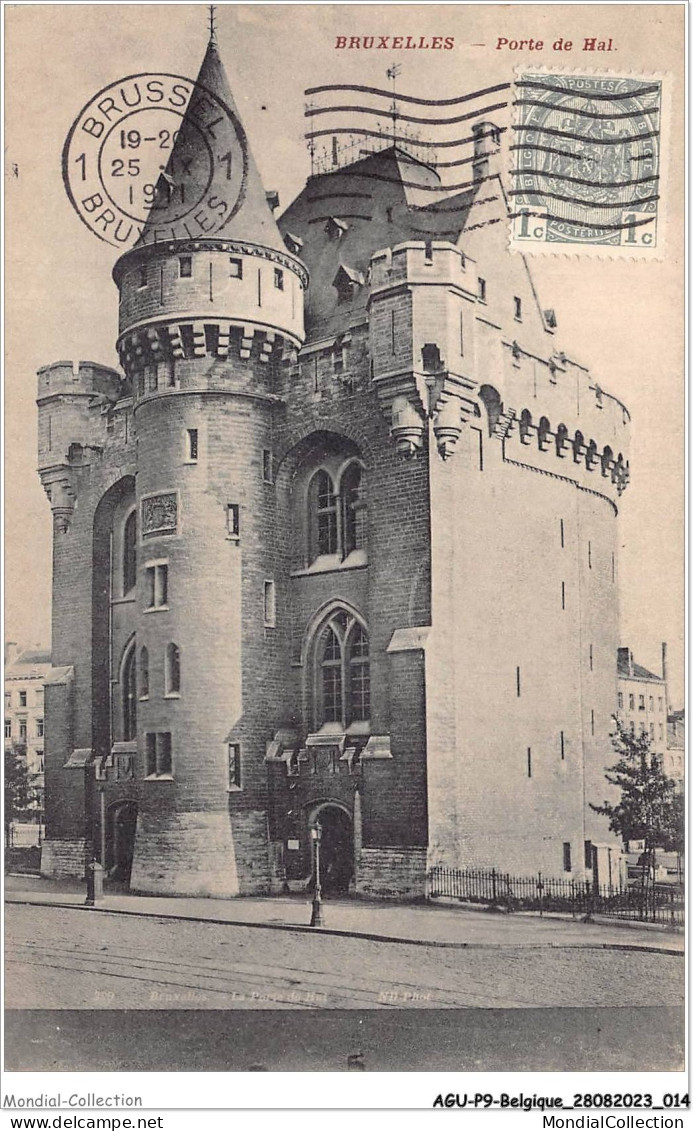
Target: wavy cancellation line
(585, 203)
(406, 117)
(526, 145)
(362, 132)
(562, 219)
(587, 113)
(410, 97)
(580, 180)
(625, 140)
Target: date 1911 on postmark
(586, 163)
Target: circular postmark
(155, 157)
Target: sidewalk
(429, 924)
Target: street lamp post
(316, 916)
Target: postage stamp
(586, 163)
(134, 169)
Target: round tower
(203, 325)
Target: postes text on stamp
(586, 164)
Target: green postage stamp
(586, 163)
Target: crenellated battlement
(84, 378)
(153, 356)
(83, 408)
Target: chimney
(664, 661)
(11, 652)
(625, 660)
(486, 144)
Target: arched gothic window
(144, 673)
(172, 669)
(129, 685)
(342, 672)
(353, 510)
(130, 552)
(336, 513)
(323, 516)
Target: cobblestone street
(68, 959)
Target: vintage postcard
(344, 649)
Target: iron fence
(658, 903)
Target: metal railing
(658, 903)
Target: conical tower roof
(211, 162)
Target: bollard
(94, 883)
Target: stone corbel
(451, 404)
(408, 426)
(504, 423)
(58, 483)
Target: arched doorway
(336, 847)
(121, 823)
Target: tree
(649, 808)
(18, 791)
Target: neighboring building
(642, 700)
(674, 759)
(25, 674)
(356, 570)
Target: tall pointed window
(130, 552)
(130, 696)
(323, 508)
(359, 676)
(172, 669)
(337, 512)
(353, 510)
(343, 672)
(331, 668)
(144, 673)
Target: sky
(624, 319)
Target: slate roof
(254, 222)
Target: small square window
(233, 520)
(279, 278)
(236, 268)
(191, 445)
(267, 465)
(185, 266)
(517, 303)
(234, 760)
(270, 604)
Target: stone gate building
(337, 544)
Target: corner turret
(68, 425)
(219, 284)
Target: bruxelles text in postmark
(586, 164)
(150, 147)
